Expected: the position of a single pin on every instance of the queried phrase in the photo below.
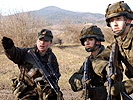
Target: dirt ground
(70, 58)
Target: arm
(16, 54)
(76, 80)
(101, 62)
(54, 63)
(129, 67)
(13, 53)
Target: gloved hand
(116, 88)
(76, 82)
(128, 86)
(7, 43)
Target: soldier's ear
(98, 42)
(129, 20)
(51, 42)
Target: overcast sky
(93, 6)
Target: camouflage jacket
(126, 50)
(125, 56)
(76, 80)
(17, 55)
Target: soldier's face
(117, 23)
(43, 45)
(89, 42)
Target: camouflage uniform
(125, 52)
(96, 80)
(25, 88)
(125, 44)
(126, 56)
(76, 80)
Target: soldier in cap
(91, 38)
(119, 17)
(26, 88)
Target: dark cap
(46, 34)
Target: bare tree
(22, 27)
(72, 33)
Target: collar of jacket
(99, 51)
(43, 58)
(126, 43)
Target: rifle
(112, 70)
(46, 76)
(111, 67)
(85, 79)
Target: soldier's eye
(118, 18)
(85, 40)
(111, 20)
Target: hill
(58, 15)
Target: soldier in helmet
(29, 86)
(91, 38)
(119, 17)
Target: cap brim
(47, 38)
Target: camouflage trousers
(32, 97)
(25, 92)
(32, 94)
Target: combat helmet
(91, 32)
(117, 9)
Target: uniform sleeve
(76, 80)
(16, 54)
(54, 64)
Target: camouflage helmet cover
(91, 32)
(117, 9)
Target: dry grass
(70, 57)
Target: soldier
(25, 88)
(91, 38)
(119, 17)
